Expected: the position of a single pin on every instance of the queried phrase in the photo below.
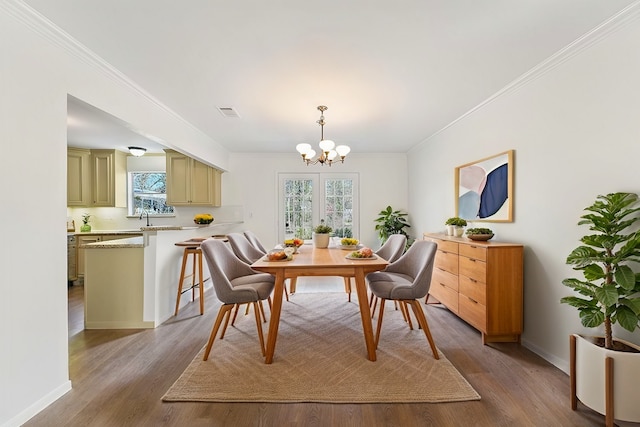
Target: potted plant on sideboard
(321, 235)
(455, 226)
(604, 371)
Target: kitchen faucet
(145, 212)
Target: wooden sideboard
(482, 283)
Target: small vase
(450, 230)
(85, 228)
(457, 231)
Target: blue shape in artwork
(495, 192)
(468, 205)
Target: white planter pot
(457, 231)
(321, 240)
(450, 230)
(591, 379)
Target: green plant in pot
(609, 293)
(479, 233)
(85, 227)
(455, 226)
(321, 235)
(390, 222)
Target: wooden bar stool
(191, 248)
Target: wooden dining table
(311, 261)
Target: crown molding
(618, 21)
(42, 26)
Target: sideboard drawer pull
(472, 300)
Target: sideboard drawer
(445, 246)
(473, 289)
(445, 295)
(473, 251)
(474, 269)
(445, 278)
(447, 261)
(473, 312)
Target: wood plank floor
(119, 377)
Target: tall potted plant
(609, 294)
(321, 235)
(390, 222)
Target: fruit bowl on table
(349, 243)
(293, 243)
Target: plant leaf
(627, 318)
(625, 277)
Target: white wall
(575, 131)
(38, 69)
(252, 183)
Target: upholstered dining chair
(234, 283)
(391, 250)
(255, 242)
(406, 280)
(246, 252)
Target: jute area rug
(321, 357)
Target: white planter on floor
(591, 376)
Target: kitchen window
(148, 193)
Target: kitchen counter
(105, 232)
(129, 242)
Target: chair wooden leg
(292, 285)
(269, 301)
(264, 317)
(246, 311)
(406, 314)
(216, 325)
(373, 309)
(371, 298)
(181, 282)
(259, 327)
(201, 280)
(380, 314)
(235, 314)
(347, 287)
(226, 323)
(422, 320)
(286, 294)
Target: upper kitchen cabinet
(96, 178)
(78, 177)
(109, 178)
(190, 182)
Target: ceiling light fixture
(137, 151)
(328, 148)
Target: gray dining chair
(246, 252)
(234, 283)
(255, 242)
(391, 250)
(406, 280)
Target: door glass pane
(338, 208)
(298, 208)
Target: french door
(307, 198)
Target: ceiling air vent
(228, 112)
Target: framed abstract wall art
(484, 189)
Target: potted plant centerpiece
(390, 222)
(321, 235)
(479, 233)
(604, 370)
(455, 226)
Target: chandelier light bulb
(310, 154)
(332, 154)
(303, 148)
(343, 150)
(327, 145)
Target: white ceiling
(392, 73)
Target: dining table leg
(365, 313)
(274, 321)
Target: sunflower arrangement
(203, 218)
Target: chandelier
(329, 152)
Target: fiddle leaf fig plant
(610, 290)
(390, 222)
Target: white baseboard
(561, 364)
(39, 405)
